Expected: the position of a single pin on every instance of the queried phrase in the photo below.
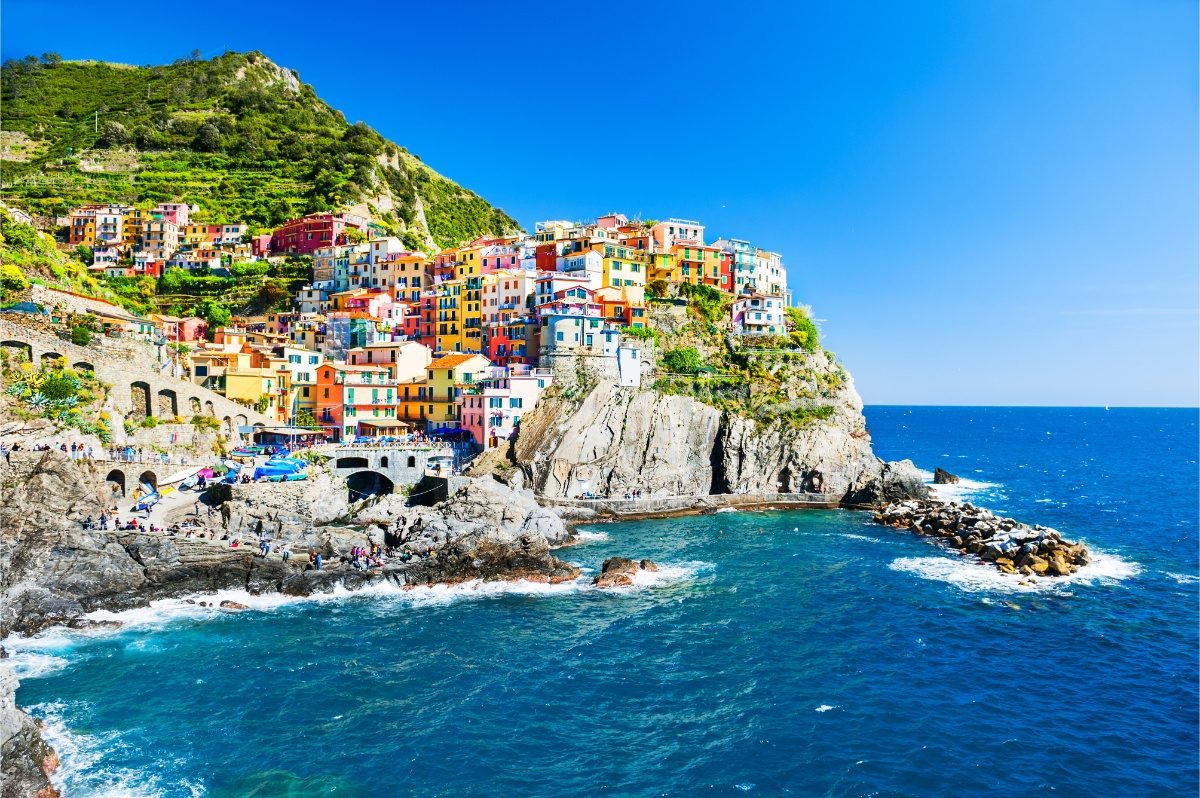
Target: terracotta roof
(450, 361)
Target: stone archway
(352, 462)
(241, 421)
(139, 399)
(209, 410)
(228, 422)
(23, 350)
(368, 483)
(168, 403)
(83, 365)
(49, 358)
(116, 481)
(149, 478)
(194, 404)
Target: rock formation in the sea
(620, 571)
(26, 760)
(943, 477)
(615, 440)
(1011, 546)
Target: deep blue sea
(804, 653)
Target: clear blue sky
(987, 201)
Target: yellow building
(448, 323)
(265, 389)
(448, 376)
(663, 266)
(624, 266)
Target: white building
(759, 314)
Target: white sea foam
(975, 576)
(824, 708)
(668, 574)
(82, 770)
(30, 664)
(1184, 579)
(34, 656)
(586, 536)
(958, 491)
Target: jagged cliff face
(615, 440)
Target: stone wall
(140, 386)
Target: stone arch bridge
(371, 470)
(139, 388)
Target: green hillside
(237, 135)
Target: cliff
(796, 427)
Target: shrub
(12, 278)
(80, 335)
(683, 360)
(804, 334)
(205, 423)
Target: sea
(774, 653)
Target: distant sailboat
(1106, 407)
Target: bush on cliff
(683, 360)
(804, 332)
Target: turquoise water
(776, 654)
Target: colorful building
(447, 377)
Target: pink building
(492, 413)
(176, 213)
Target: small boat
(232, 465)
(147, 502)
(181, 476)
(190, 482)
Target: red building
(302, 236)
(546, 257)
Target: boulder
(943, 477)
(619, 571)
(233, 605)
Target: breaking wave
(975, 576)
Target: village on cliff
(385, 341)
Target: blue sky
(986, 201)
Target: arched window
(383, 462)
(412, 461)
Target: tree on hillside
(213, 312)
(208, 138)
(113, 134)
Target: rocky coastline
(1007, 544)
(26, 760)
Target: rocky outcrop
(617, 440)
(52, 571)
(943, 477)
(620, 571)
(484, 530)
(26, 760)
(1011, 546)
